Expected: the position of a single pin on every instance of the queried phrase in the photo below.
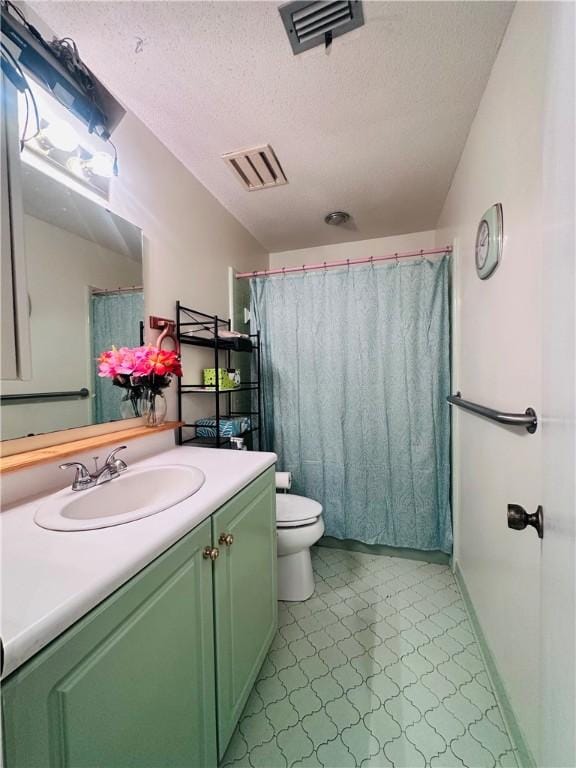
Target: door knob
(518, 519)
(226, 539)
(211, 553)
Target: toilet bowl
(299, 525)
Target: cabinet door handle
(226, 539)
(211, 553)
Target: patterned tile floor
(379, 668)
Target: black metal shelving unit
(198, 329)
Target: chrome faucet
(85, 479)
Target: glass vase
(131, 404)
(155, 408)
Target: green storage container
(228, 378)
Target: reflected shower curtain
(355, 372)
(115, 320)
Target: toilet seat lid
(293, 509)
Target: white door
(558, 574)
(238, 302)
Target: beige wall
(61, 269)
(359, 249)
(190, 239)
(497, 348)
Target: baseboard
(525, 757)
(379, 549)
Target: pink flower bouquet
(143, 371)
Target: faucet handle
(118, 464)
(80, 468)
(82, 478)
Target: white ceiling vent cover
(315, 23)
(256, 168)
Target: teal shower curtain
(356, 370)
(115, 320)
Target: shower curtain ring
(372, 262)
(396, 258)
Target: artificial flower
(145, 366)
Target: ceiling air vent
(310, 24)
(256, 168)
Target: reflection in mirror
(84, 275)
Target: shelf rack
(198, 329)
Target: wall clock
(489, 239)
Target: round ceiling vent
(337, 218)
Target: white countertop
(50, 579)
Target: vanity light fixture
(101, 164)
(59, 148)
(57, 144)
(60, 135)
(75, 165)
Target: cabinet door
(130, 685)
(245, 596)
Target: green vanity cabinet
(131, 683)
(246, 602)
(148, 676)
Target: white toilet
(299, 525)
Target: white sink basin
(135, 494)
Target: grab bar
(41, 396)
(527, 419)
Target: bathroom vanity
(151, 633)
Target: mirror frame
(64, 436)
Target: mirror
(84, 278)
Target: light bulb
(76, 165)
(61, 135)
(101, 164)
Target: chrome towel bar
(528, 419)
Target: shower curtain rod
(343, 263)
(128, 289)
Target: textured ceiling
(374, 126)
